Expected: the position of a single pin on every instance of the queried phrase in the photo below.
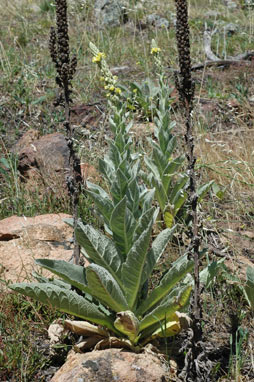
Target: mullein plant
(196, 367)
(66, 67)
(111, 294)
(112, 291)
(164, 168)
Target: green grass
(24, 347)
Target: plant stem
(66, 67)
(185, 88)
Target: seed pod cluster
(184, 84)
(59, 50)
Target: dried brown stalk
(66, 67)
(195, 361)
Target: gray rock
(231, 4)
(44, 160)
(111, 13)
(157, 21)
(112, 365)
(230, 29)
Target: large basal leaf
(73, 274)
(166, 310)
(41, 279)
(132, 269)
(105, 288)
(122, 224)
(64, 300)
(100, 249)
(157, 249)
(179, 269)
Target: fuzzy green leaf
(101, 199)
(167, 308)
(105, 288)
(179, 269)
(122, 224)
(132, 269)
(202, 190)
(157, 249)
(100, 249)
(171, 168)
(64, 300)
(71, 273)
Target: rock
(230, 4)
(22, 239)
(43, 162)
(112, 365)
(157, 21)
(111, 13)
(230, 29)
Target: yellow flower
(155, 50)
(112, 88)
(118, 91)
(134, 90)
(98, 57)
(102, 79)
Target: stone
(230, 4)
(44, 159)
(157, 21)
(111, 13)
(43, 163)
(22, 239)
(230, 29)
(112, 365)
